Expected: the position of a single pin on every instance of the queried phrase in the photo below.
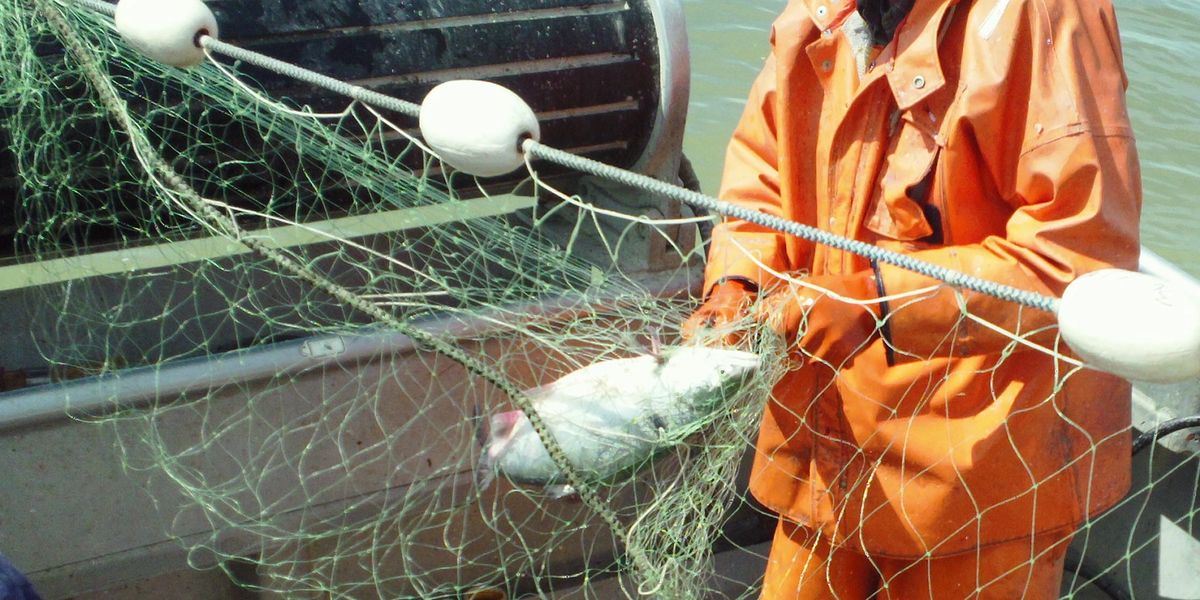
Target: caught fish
(612, 417)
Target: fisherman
(913, 452)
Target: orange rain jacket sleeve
(751, 179)
(991, 137)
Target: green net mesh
(353, 473)
(295, 430)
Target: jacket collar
(911, 62)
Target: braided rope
(311, 77)
(812, 234)
(648, 184)
(154, 163)
(537, 150)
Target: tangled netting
(356, 473)
(329, 331)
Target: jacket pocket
(901, 207)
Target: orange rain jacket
(990, 137)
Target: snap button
(827, 65)
(919, 82)
(822, 11)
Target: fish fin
(485, 472)
(656, 345)
(494, 436)
(559, 492)
(541, 391)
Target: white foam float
(1133, 325)
(477, 126)
(166, 30)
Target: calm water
(1162, 46)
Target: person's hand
(824, 318)
(726, 304)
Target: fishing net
(325, 330)
(352, 473)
